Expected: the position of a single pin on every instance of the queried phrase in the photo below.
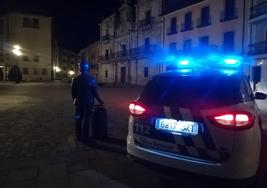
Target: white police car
(202, 120)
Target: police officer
(84, 91)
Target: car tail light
(234, 120)
(136, 109)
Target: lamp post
(57, 70)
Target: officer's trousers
(82, 122)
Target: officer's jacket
(84, 90)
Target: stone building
(92, 52)
(31, 36)
(257, 40)
(67, 65)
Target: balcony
(229, 15)
(258, 10)
(172, 30)
(105, 38)
(134, 53)
(258, 48)
(187, 26)
(145, 22)
(203, 22)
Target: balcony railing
(172, 30)
(258, 48)
(105, 37)
(145, 22)
(202, 23)
(229, 15)
(258, 10)
(134, 53)
(187, 26)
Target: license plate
(174, 126)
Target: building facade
(131, 50)
(257, 40)
(217, 25)
(117, 42)
(67, 65)
(32, 36)
(92, 52)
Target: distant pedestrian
(84, 91)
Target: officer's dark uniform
(84, 91)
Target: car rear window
(187, 92)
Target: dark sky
(76, 21)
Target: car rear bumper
(231, 169)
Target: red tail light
(136, 109)
(234, 120)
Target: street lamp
(71, 72)
(17, 50)
(57, 69)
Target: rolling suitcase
(99, 122)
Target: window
(187, 45)
(147, 44)
(106, 54)
(25, 70)
(36, 58)
(229, 12)
(35, 71)
(123, 47)
(148, 17)
(30, 22)
(172, 47)
(204, 41)
(44, 71)
(187, 22)
(228, 41)
(35, 23)
(106, 73)
(173, 26)
(26, 58)
(205, 17)
(188, 92)
(145, 72)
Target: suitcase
(99, 122)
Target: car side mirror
(260, 96)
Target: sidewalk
(95, 167)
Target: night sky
(76, 21)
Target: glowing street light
(17, 50)
(71, 72)
(57, 69)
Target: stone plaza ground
(38, 147)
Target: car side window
(246, 91)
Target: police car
(199, 117)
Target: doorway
(123, 75)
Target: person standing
(84, 91)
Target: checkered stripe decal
(201, 146)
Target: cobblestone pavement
(38, 148)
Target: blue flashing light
(185, 70)
(231, 61)
(184, 62)
(228, 72)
